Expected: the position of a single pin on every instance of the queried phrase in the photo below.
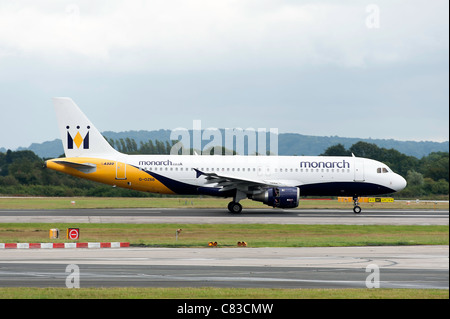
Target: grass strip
(192, 202)
(228, 235)
(219, 293)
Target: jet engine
(282, 197)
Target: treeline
(21, 172)
(426, 177)
(129, 146)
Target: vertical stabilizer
(79, 136)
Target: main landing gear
(356, 207)
(234, 207)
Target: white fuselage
(299, 171)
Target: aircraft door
(359, 170)
(121, 170)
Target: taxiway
(221, 216)
(325, 267)
(333, 267)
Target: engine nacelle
(282, 197)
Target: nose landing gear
(356, 207)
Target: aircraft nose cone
(399, 183)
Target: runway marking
(416, 284)
(332, 267)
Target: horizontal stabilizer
(82, 167)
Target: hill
(288, 143)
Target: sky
(369, 69)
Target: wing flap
(227, 182)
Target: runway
(333, 267)
(222, 216)
(330, 267)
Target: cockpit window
(382, 170)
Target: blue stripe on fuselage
(318, 189)
(344, 189)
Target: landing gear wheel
(356, 208)
(234, 207)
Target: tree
(367, 150)
(436, 166)
(336, 150)
(414, 178)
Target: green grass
(219, 293)
(227, 235)
(198, 235)
(192, 202)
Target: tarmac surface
(222, 216)
(324, 267)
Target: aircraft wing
(228, 182)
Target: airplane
(276, 181)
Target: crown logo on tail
(78, 140)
